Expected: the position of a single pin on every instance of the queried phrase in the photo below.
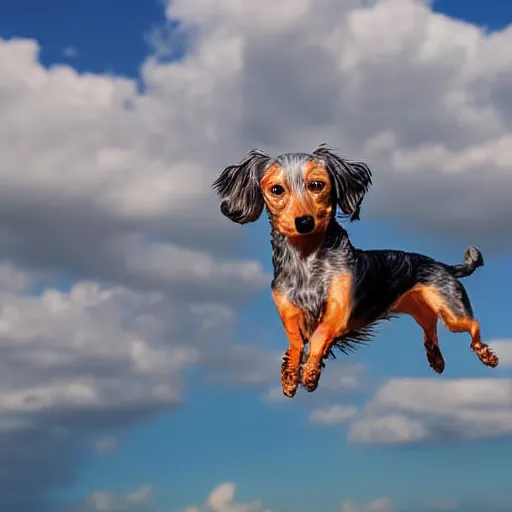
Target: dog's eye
(316, 186)
(277, 190)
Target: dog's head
(300, 190)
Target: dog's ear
(238, 187)
(351, 180)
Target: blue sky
(229, 432)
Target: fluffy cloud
(96, 187)
(102, 165)
(333, 415)
(425, 98)
(101, 501)
(222, 499)
(417, 410)
(413, 410)
(504, 349)
(77, 367)
(379, 505)
(99, 190)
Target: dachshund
(328, 293)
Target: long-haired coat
(327, 292)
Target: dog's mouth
(305, 236)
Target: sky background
(139, 347)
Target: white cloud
(424, 97)
(139, 497)
(78, 367)
(70, 344)
(98, 187)
(378, 505)
(74, 366)
(102, 501)
(223, 499)
(342, 378)
(504, 350)
(415, 410)
(333, 415)
(387, 429)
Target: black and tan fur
(329, 293)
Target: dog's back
(382, 276)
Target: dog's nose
(305, 224)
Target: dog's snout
(305, 224)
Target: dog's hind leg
(464, 323)
(416, 303)
(427, 320)
(449, 301)
(433, 350)
(457, 315)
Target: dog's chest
(305, 285)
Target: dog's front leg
(334, 323)
(292, 319)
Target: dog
(328, 293)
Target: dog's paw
(311, 376)
(485, 354)
(435, 357)
(289, 377)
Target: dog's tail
(472, 260)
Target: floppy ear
(351, 180)
(238, 187)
